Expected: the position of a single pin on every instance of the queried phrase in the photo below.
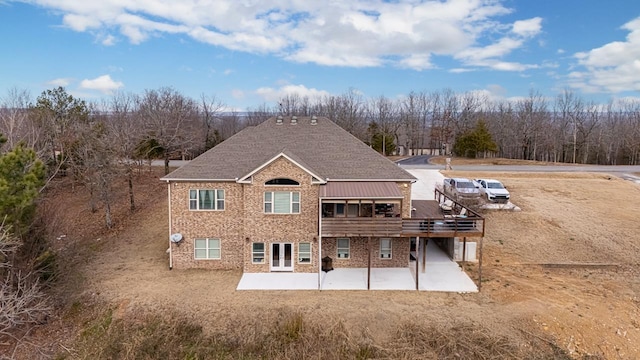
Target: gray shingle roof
(324, 149)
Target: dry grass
(442, 160)
(290, 335)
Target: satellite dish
(176, 238)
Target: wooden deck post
(369, 266)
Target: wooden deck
(428, 219)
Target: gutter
(320, 245)
(170, 245)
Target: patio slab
(278, 281)
(356, 279)
(441, 274)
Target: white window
(343, 248)
(282, 202)
(207, 248)
(385, 248)
(304, 253)
(257, 253)
(210, 199)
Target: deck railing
(428, 227)
(361, 226)
(444, 227)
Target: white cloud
(614, 67)
(491, 55)
(108, 40)
(528, 28)
(271, 94)
(102, 83)
(358, 33)
(64, 82)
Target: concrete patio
(441, 274)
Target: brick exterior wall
(243, 222)
(359, 250)
(227, 225)
(282, 228)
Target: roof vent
(314, 120)
(294, 120)
(279, 120)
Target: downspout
(170, 246)
(319, 244)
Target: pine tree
(21, 177)
(471, 143)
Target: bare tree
(170, 120)
(258, 115)
(15, 123)
(126, 134)
(210, 109)
(22, 302)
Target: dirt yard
(564, 270)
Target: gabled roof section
(323, 149)
(289, 157)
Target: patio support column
(369, 266)
(424, 255)
(480, 266)
(417, 260)
(464, 250)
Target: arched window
(281, 181)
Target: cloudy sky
(250, 52)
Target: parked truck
(461, 189)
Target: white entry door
(281, 257)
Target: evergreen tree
(474, 142)
(380, 141)
(21, 177)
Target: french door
(281, 257)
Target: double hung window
(282, 202)
(206, 199)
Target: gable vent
(279, 120)
(314, 120)
(294, 120)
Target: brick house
(283, 195)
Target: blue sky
(251, 52)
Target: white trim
(264, 252)
(207, 248)
(338, 248)
(215, 199)
(268, 162)
(372, 180)
(199, 180)
(390, 249)
(361, 198)
(282, 267)
(170, 227)
(273, 203)
(310, 252)
(319, 245)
